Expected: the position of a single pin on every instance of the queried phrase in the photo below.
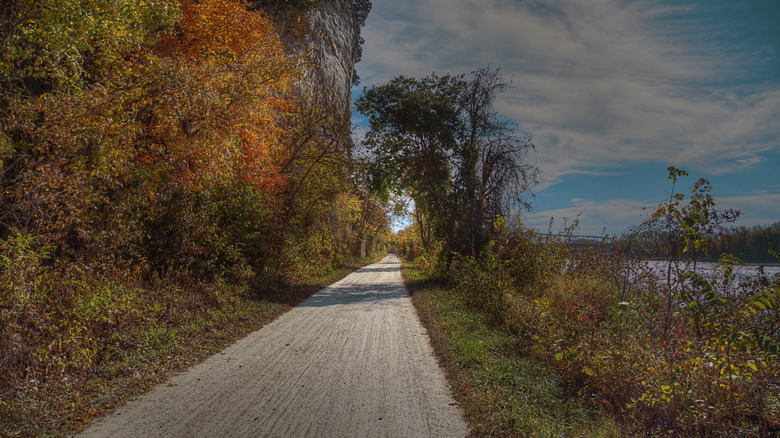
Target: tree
(413, 130)
(493, 176)
(439, 140)
(158, 160)
(121, 120)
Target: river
(744, 280)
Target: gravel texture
(350, 361)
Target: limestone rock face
(334, 42)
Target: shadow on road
(384, 294)
(369, 269)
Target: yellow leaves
(224, 75)
(71, 40)
(6, 148)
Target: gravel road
(351, 361)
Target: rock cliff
(332, 38)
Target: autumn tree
(324, 206)
(138, 140)
(159, 160)
(65, 129)
(211, 135)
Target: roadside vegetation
(167, 183)
(504, 389)
(147, 352)
(611, 347)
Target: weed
(504, 390)
(682, 354)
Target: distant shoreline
(756, 264)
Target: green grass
(503, 392)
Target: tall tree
(439, 140)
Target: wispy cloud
(600, 83)
(619, 215)
(594, 217)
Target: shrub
(691, 357)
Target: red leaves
(224, 75)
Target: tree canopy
(438, 140)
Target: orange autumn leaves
(113, 113)
(220, 93)
(109, 109)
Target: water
(708, 269)
(747, 279)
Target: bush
(483, 283)
(692, 358)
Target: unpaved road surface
(351, 361)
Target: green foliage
(687, 225)
(22, 267)
(503, 391)
(66, 43)
(754, 245)
(482, 283)
(686, 354)
(438, 141)
(413, 125)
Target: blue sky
(612, 92)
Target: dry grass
(65, 402)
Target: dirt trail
(351, 361)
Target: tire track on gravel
(353, 360)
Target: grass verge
(503, 392)
(65, 406)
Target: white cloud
(597, 216)
(600, 83)
(594, 217)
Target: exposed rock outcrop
(332, 38)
